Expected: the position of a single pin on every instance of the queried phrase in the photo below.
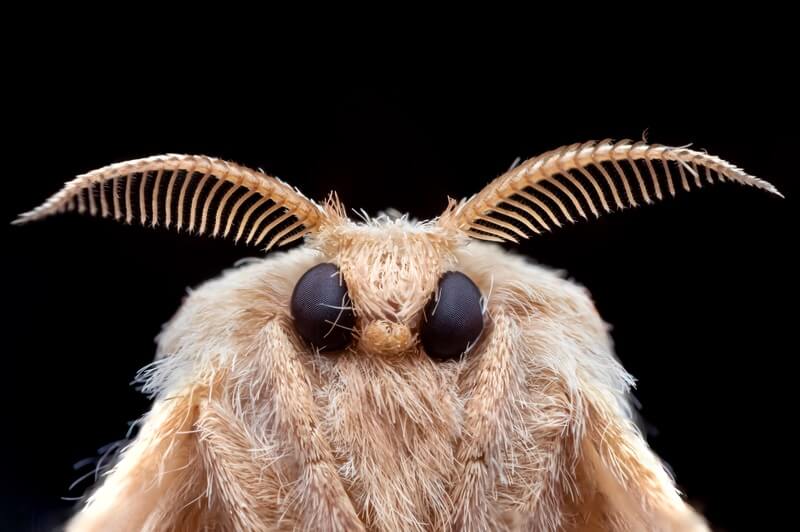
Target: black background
(700, 290)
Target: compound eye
(321, 308)
(453, 317)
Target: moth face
(388, 289)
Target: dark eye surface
(455, 320)
(319, 301)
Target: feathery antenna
(192, 192)
(562, 185)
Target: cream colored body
(531, 430)
(251, 429)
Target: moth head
(389, 284)
(402, 287)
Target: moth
(389, 374)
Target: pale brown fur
(251, 429)
(530, 428)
